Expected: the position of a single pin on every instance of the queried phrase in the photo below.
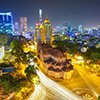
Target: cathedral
(53, 60)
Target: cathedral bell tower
(38, 42)
(48, 39)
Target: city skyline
(74, 12)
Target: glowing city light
(2, 52)
(80, 57)
(40, 13)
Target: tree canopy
(70, 47)
(98, 98)
(31, 72)
(92, 54)
(3, 38)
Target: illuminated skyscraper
(80, 28)
(16, 27)
(6, 22)
(65, 24)
(57, 28)
(23, 24)
(69, 27)
(40, 16)
(99, 32)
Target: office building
(65, 24)
(6, 23)
(16, 27)
(80, 28)
(23, 24)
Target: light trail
(65, 94)
(36, 92)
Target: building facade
(53, 60)
(6, 23)
(23, 24)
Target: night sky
(75, 12)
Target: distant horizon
(74, 12)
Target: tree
(17, 51)
(31, 72)
(71, 47)
(98, 98)
(22, 59)
(6, 82)
(87, 55)
(95, 56)
(17, 48)
(3, 38)
(16, 86)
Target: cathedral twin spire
(39, 36)
(47, 36)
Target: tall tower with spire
(40, 16)
(38, 42)
(48, 39)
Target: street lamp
(81, 58)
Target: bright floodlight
(40, 12)
(80, 57)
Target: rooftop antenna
(46, 16)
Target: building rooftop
(57, 70)
(51, 68)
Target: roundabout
(86, 93)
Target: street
(50, 90)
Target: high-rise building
(23, 24)
(40, 16)
(93, 32)
(43, 27)
(69, 27)
(6, 23)
(80, 28)
(57, 28)
(65, 24)
(16, 27)
(99, 32)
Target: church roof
(57, 53)
(46, 46)
(62, 49)
(70, 67)
(64, 63)
(57, 70)
(49, 60)
(65, 69)
(51, 68)
(58, 64)
(54, 62)
(46, 52)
